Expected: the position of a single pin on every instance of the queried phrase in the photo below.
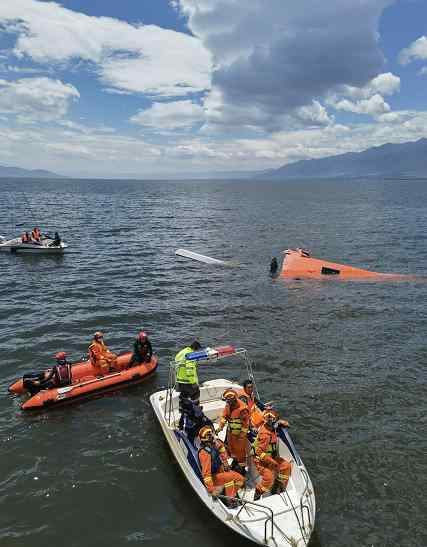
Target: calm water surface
(345, 362)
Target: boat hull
(86, 384)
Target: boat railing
(169, 407)
(269, 514)
(304, 506)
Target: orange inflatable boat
(298, 263)
(85, 383)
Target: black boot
(257, 494)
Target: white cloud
(374, 106)
(146, 59)
(383, 84)
(367, 99)
(272, 62)
(315, 114)
(36, 99)
(416, 51)
(168, 116)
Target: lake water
(344, 362)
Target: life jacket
(63, 374)
(216, 463)
(186, 370)
(254, 411)
(92, 354)
(271, 449)
(233, 418)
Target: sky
(179, 88)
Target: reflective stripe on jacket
(236, 419)
(186, 370)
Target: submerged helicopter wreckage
(299, 264)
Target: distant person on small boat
(142, 350)
(187, 381)
(236, 417)
(59, 376)
(273, 469)
(216, 471)
(247, 395)
(56, 240)
(25, 238)
(100, 356)
(192, 419)
(36, 236)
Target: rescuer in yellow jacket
(187, 382)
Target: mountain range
(17, 172)
(408, 159)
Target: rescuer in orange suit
(100, 356)
(273, 469)
(216, 472)
(255, 406)
(236, 417)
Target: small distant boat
(47, 245)
(85, 383)
(299, 264)
(279, 520)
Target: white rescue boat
(46, 246)
(279, 520)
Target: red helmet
(60, 356)
(142, 336)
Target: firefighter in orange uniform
(236, 417)
(255, 406)
(273, 469)
(100, 356)
(216, 472)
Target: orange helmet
(270, 416)
(206, 434)
(229, 395)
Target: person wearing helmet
(236, 417)
(142, 350)
(247, 395)
(187, 381)
(216, 473)
(58, 376)
(100, 356)
(273, 469)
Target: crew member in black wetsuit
(142, 350)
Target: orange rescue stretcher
(298, 263)
(85, 383)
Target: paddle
(66, 389)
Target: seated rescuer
(216, 472)
(59, 376)
(273, 469)
(100, 356)
(192, 419)
(236, 417)
(187, 382)
(142, 350)
(36, 235)
(247, 395)
(56, 240)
